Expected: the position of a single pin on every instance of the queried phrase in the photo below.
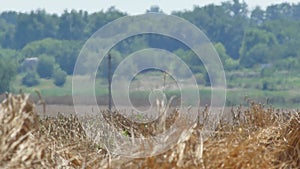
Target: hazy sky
(130, 6)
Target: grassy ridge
(235, 96)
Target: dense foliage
(30, 79)
(59, 77)
(8, 68)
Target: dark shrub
(59, 77)
(30, 79)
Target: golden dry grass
(257, 137)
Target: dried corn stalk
(18, 146)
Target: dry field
(254, 137)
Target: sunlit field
(252, 136)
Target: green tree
(200, 78)
(8, 68)
(59, 77)
(131, 45)
(231, 24)
(279, 11)
(7, 31)
(191, 59)
(222, 52)
(72, 25)
(45, 66)
(65, 52)
(224, 23)
(258, 47)
(286, 32)
(98, 19)
(256, 55)
(207, 79)
(7, 73)
(34, 26)
(257, 16)
(231, 64)
(228, 62)
(30, 79)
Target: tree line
(243, 38)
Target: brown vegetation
(258, 137)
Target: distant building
(29, 64)
(266, 65)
